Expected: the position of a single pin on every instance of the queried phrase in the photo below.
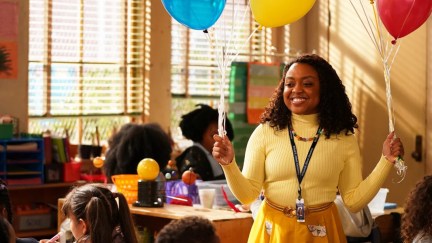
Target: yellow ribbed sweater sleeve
(335, 164)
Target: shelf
(47, 193)
(36, 233)
(45, 186)
(22, 161)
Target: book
(48, 150)
(58, 150)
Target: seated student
(6, 213)
(134, 142)
(199, 126)
(192, 229)
(96, 217)
(417, 217)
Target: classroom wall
(335, 32)
(14, 91)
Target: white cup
(207, 197)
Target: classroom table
(231, 227)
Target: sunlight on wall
(359, 65)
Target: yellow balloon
(274, 13)
(148, 169)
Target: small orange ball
(98, 162)
(189, 177)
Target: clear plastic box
(376, 206)
(218, 185)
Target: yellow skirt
(272, 225)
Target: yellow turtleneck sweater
(335, 164)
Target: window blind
(195, 70)
(87, 59)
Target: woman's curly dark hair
(133, 143)
(417, 217)
(195, 123)
(334, 109)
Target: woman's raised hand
(392, 148)
(223, 150)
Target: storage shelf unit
(22, 161)
(47, 193)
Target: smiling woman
(323, 158)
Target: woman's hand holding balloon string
(393, 151)
(223, 150)
(392, 148)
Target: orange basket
(127, 184)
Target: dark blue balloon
(195, 14)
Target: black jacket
(196, 158)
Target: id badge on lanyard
(300, 210)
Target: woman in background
(199, 126)
(417, 217)
(134, 142)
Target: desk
(399, 210)
(231, 227)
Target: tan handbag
(354, 224)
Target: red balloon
(402, 17)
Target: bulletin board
(262, 81)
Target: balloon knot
(393, 42)
(372, 1)
(205, 31)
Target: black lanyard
(308, 157)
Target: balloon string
(378, 29)
(386, 52)
(248, 39)
(389, 96)
(368, 28)
(223, 59)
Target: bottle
(67, 236)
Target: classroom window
(195, 73)
(88, 66)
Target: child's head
(5, 204)
(417, 217)
(192, 229)
(94, 214)
(134, 142)
(201, 124)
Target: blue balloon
(195, 14)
